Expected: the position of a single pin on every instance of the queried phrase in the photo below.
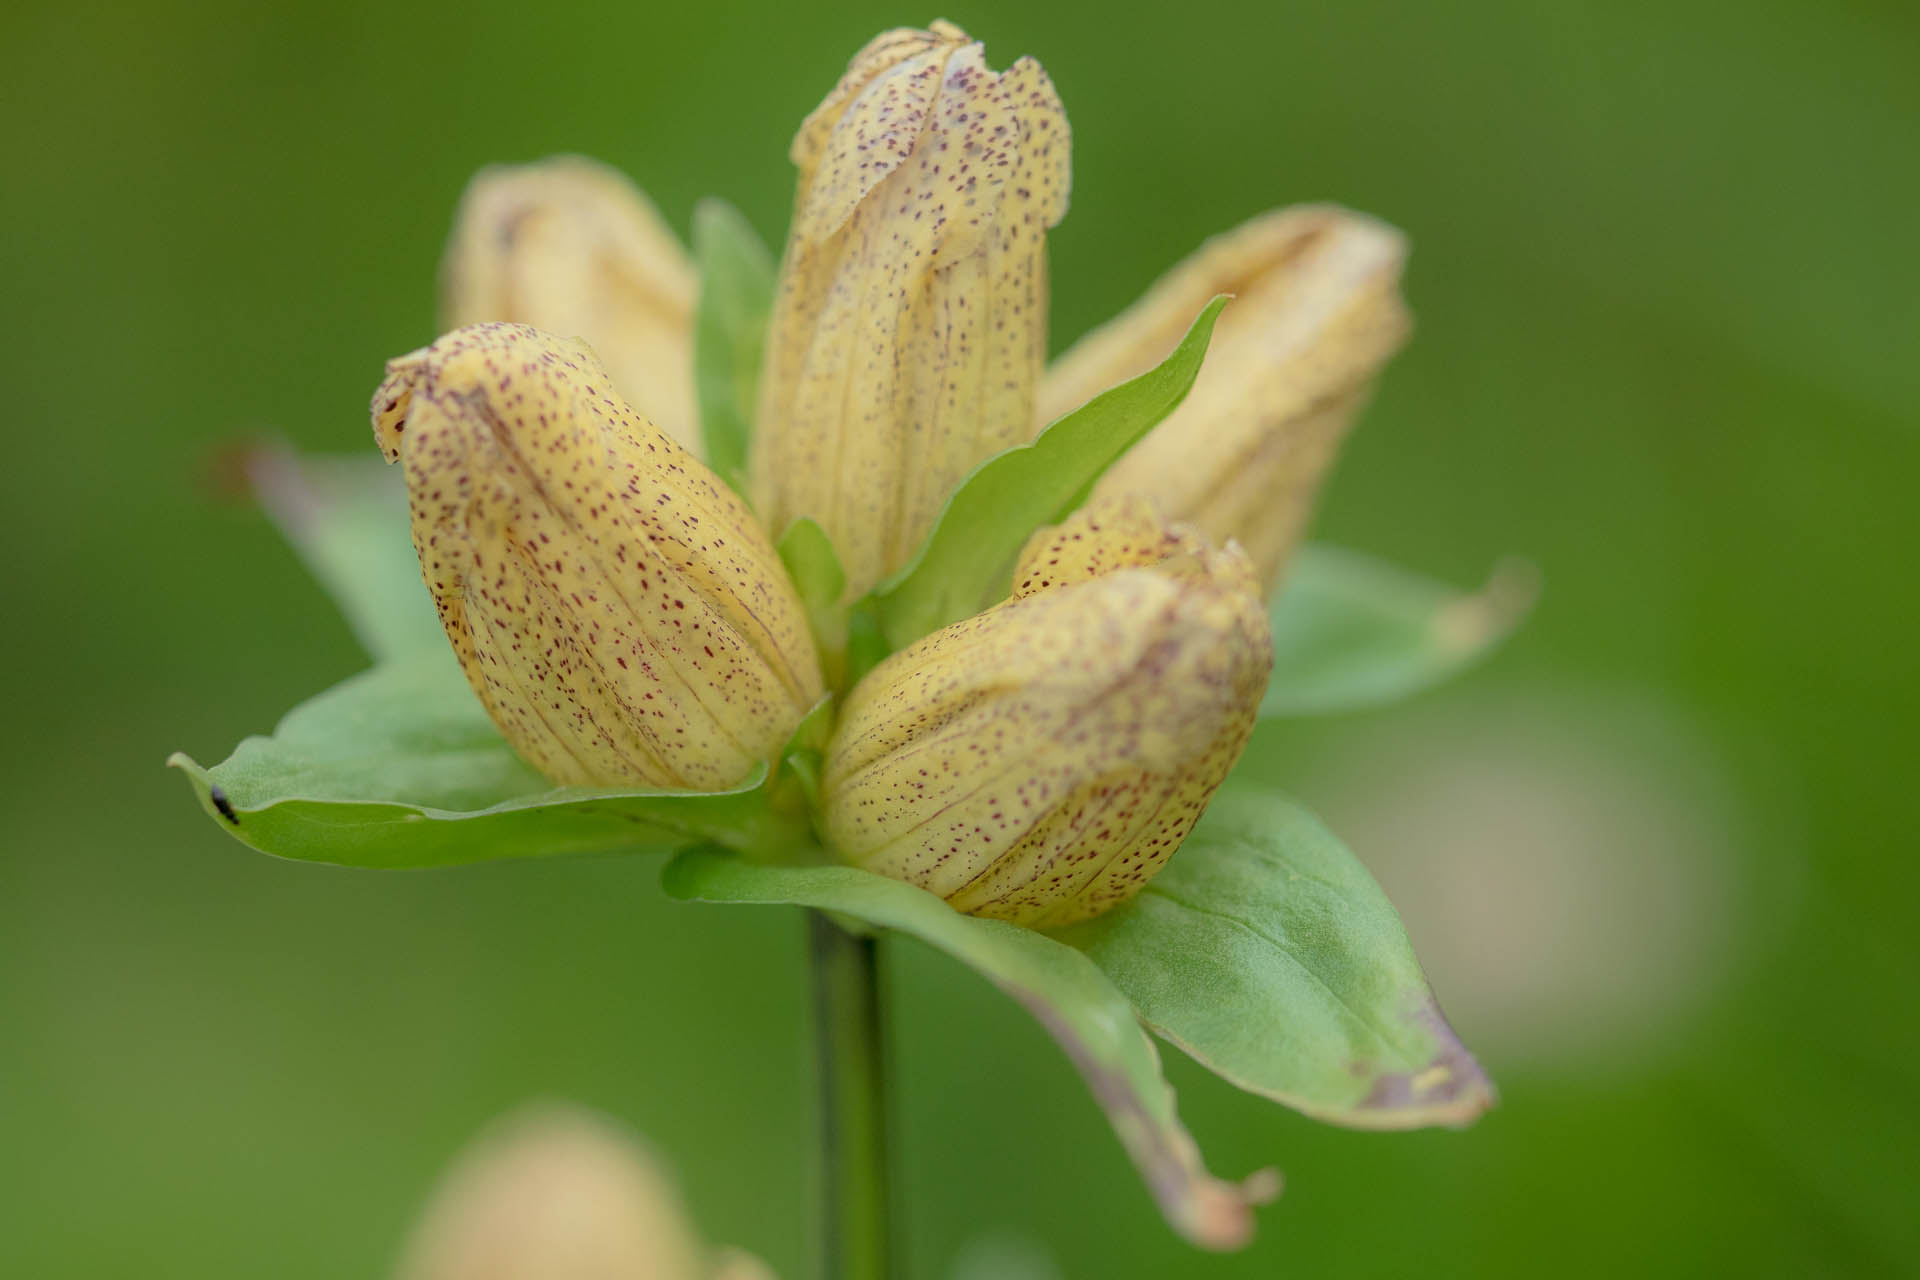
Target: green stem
(853, 1134)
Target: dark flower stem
(853, 1112)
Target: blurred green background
(1659, 855)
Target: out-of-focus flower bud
(1039, 762)
(557, 1193)
(737, 1264)
(910, 329)
(572, 247)
(1317, 313)
(615, 606)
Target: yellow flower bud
(572, 247)
(1039, 762)
(557, 1193)
(1317, 312)
(910, 328)
(616, 608)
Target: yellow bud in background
(1039, 762)
(570, 246)
(910, 328)
(557, 1193)
(615, 606)
(1317, 312)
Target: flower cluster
(625, 617)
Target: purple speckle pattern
(910, 328)
(618, 610)
(1040, 762)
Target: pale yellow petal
(1040, 761)
(616, 607)
(736, 1264)
(909, 331)
(570, 246)
(1316, 313)
(1120, 531)
(555, 1193)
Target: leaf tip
(1475, 622)
(1208, 1212)
(197, 773)
(1218, 1215)
(715, 214)
(283, 491)
(1451, 1089)
(213, 797)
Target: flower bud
(557, 1193)
(910, 328)
(615, 606)
(1039, 762)
(1317, 312)
(570, 246)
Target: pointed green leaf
(794, 787)
(347, 518)
(1057, 984)
(815, 569)
(400, 767)
(730, 332)
(966, 558)
(1350, 631)
(1266, 951)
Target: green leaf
(1266, 951)
(967, 556)
(347, 519)
(1057, 984)
(1351, 631)
(400, 767)
(730, 332)
(794, 786)
(815, 569)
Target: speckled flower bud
(570, 246)
(910, 329)
(1317, 312)
(1039, 762)
(616, 608)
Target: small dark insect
(224, 805)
